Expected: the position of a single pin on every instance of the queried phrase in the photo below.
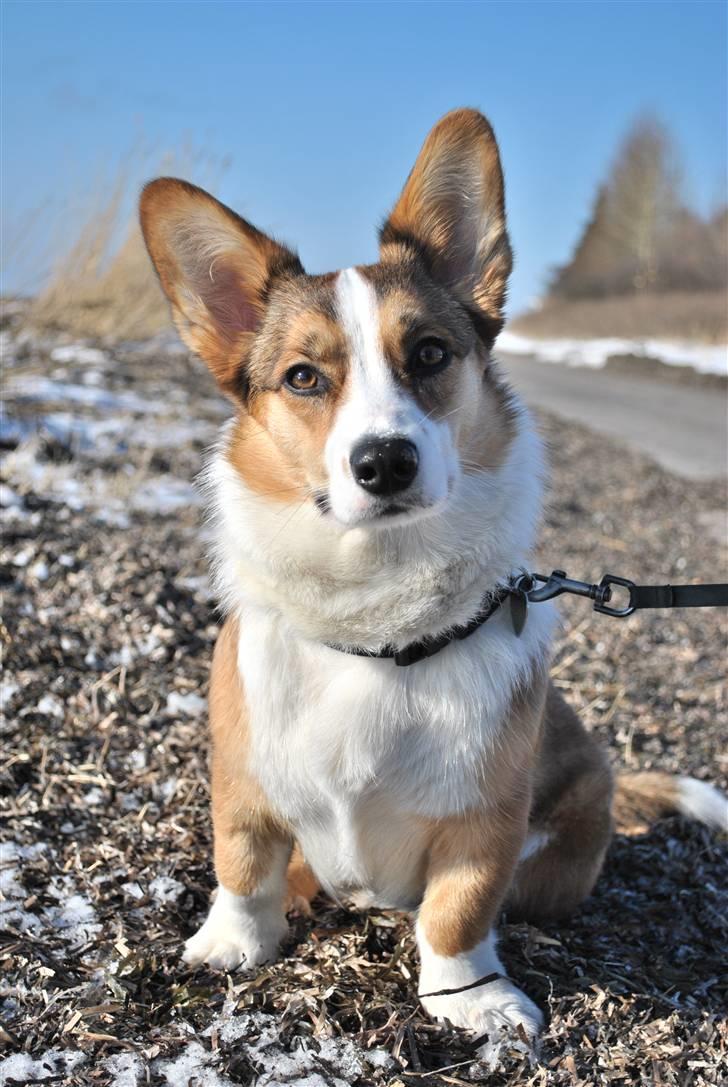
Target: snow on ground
(54, 1065)
(70, 912)
(43, 389)
(255, 1034)
(56, 419)
(705, 358)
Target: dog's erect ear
(452, 208)
(215, 269)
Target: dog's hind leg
(302, 884)
(577, 803)
(563, 856)
(571, 820)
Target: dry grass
(683, 315)
(103, 285)
(90, 296)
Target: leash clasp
(558, 583)
(602, 604)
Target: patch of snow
(40, 570)
(165, 495)
(78, 352)
(35, 387)
(75, 913)
(84, 434)
(50, 706)
(7, 689)
(23, 557)
(54, 1064)
(127, 1069)
(166, 342)
(193, 1065)
(14, 431)
(260, 1032)
(74, 916)
(10, 885)
(166, 890)
(165, 790)
(188, 704)
(8, 498)
(137, 759)
(106, 436)
(115, 518)
(147, 645)
(200, 586)
(134, 890)
(130, 801)
(705, 358)
(123, 656)
(12, 915)
(12, 911)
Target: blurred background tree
(641, 236)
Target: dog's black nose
(384, 466)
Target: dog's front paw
(498, 1013)
(235, 934)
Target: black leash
(525, 589)
(640, 596)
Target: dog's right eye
(303, 380)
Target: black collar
(525, 588)
(428, 647)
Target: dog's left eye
(429, 357)
(303, 379)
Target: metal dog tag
(519, 612)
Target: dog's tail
(640, 799)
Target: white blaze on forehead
(376, 406)
(358, 310)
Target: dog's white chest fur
(358, 754)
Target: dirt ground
(106, 868)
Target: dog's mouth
(378, 513)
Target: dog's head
(368, 392)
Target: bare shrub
(103, 286)
(641, 237)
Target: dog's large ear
(215, 268)
(452, 209)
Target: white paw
(499, 1010)
(234, 935)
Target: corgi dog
(377, 487)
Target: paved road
(685, 429)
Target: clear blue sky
(322, 106)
